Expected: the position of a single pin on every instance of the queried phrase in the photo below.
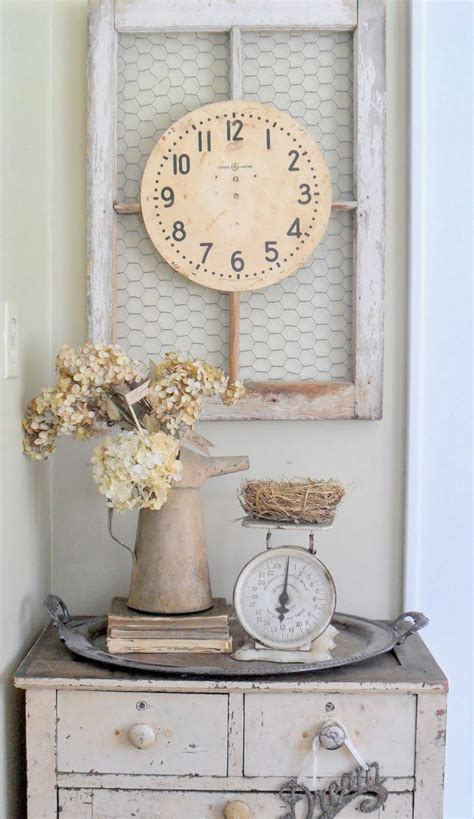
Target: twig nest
(302, 501)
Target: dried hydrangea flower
(77, 404)
(178, 386)
(134, 470)
(99, 365)
(40, 425)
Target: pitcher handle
(128, 548)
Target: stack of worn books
(134, 632)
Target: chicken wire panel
(301, 328)
(308, 74)
(161, 77)
(158, 309)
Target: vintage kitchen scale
(285, 597)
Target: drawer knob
(237, 810)
(141, 735)
(332, 736)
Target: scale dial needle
(283, 598)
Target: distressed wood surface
(201, 783)
(221, 15)
(411, 668)
(242, 744)
(235, 63)
(369, 177)
(236, 735)
(283, 400)
(180, 805)
(41, 753)
(279, 730)
(130, 207)
(234, 335)
(190, 731)
(430, 753)
(102, 100)
(75, 804)
(234, 298)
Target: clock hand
(283, 598)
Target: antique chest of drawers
(104, 744)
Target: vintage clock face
(236, 195)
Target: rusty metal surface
(359, 639)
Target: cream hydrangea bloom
(179, 385)
(134, 470)
(77, 404)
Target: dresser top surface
(409, 667)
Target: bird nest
(302, 501)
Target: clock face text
(236, 195)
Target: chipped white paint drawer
(101, 804)
(224, 740)
(279, 729)
(190, 733)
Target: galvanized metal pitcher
(171, 571)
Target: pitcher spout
(227, 464)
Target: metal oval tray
(359, 639)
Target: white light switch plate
(10, 341)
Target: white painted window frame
(361, 398)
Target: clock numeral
(294, 229)
(295, 156)
(268, 139)
(207, 246)
(271, 253)
(236, 261)
(167, 194)
(181, 163)
(179, 232)
(201, 141)
(238, 125)
(305, 194)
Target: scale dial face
(285, 598)
(236, 195)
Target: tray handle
(57, 610)
(405, 630)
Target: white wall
(25, 267)
(364, 550)
(439, 508)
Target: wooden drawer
(190, 731)
(117, 804)
(279, 729)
